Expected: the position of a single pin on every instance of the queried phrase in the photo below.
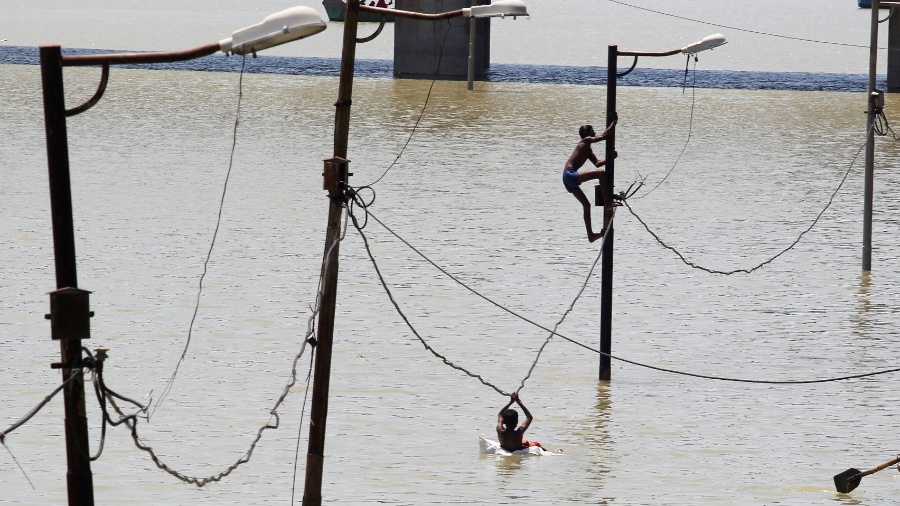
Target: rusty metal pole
(78, 476)
(312, 491)
(606, 286)
(869, 184)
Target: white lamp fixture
(284, 26)
(500, 8)
(709, 42)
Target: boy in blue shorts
(572, 179)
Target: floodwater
(477, 191)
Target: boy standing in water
(510, 436)
(572, 179)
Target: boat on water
(337, 8)
(866, 4)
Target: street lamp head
(500, 8)
(709, 42)
(284, 26)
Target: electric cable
(18, 465)
(766, 262)
(28, 416)
(594, 350)
(569, 310)
(756, 32)
(690, 125)
(881, 124)
(410, 325)
(237, 120)
(312, 359)
(422, 112)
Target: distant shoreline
(512, 73)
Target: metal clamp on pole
(336, 175)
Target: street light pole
(315, 454)
(79, 479)
(606, 283)
(69, 306)
(606, 267)
(336, 175)
(869, 185)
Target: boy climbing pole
(510, 436)
(572, 179)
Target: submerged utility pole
(871, 98)
(69, 314)
(606, 270)
(612, 74)
(335, 175)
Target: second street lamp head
(500, 8)
(279, 28)
(709, 42)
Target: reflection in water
(507, 465)
(862, 318)
(599, 437)
(596, 435)
(846, 499)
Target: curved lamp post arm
(649, 53)
(134, 58)
(279, 28)
(710, 42)
(409, 14)
(499, 8)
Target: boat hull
(336, 10)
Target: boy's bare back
(580, 155)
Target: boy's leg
(585, 203)
(600, 176)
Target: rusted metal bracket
(70, 316)
(336, 176)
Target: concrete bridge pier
(893, 56)
(439, 49)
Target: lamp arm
(376, 34)
(134, 58)
(104, 78)
(411, 15)
(633, 65)
(646, 53)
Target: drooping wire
(131, 421)
(571, 307)
(312, 360)
(594, 350)
(356, 200)
(690, 124)
(422, 112)
(406, 320)
(237, 120)
(38, 407)
(881, 125)
(19, 465)
(738, 29)
(770, 260)
(28, 416)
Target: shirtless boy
(510, 436)
(572, 179)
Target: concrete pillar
(439, 49)
(893, 54)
